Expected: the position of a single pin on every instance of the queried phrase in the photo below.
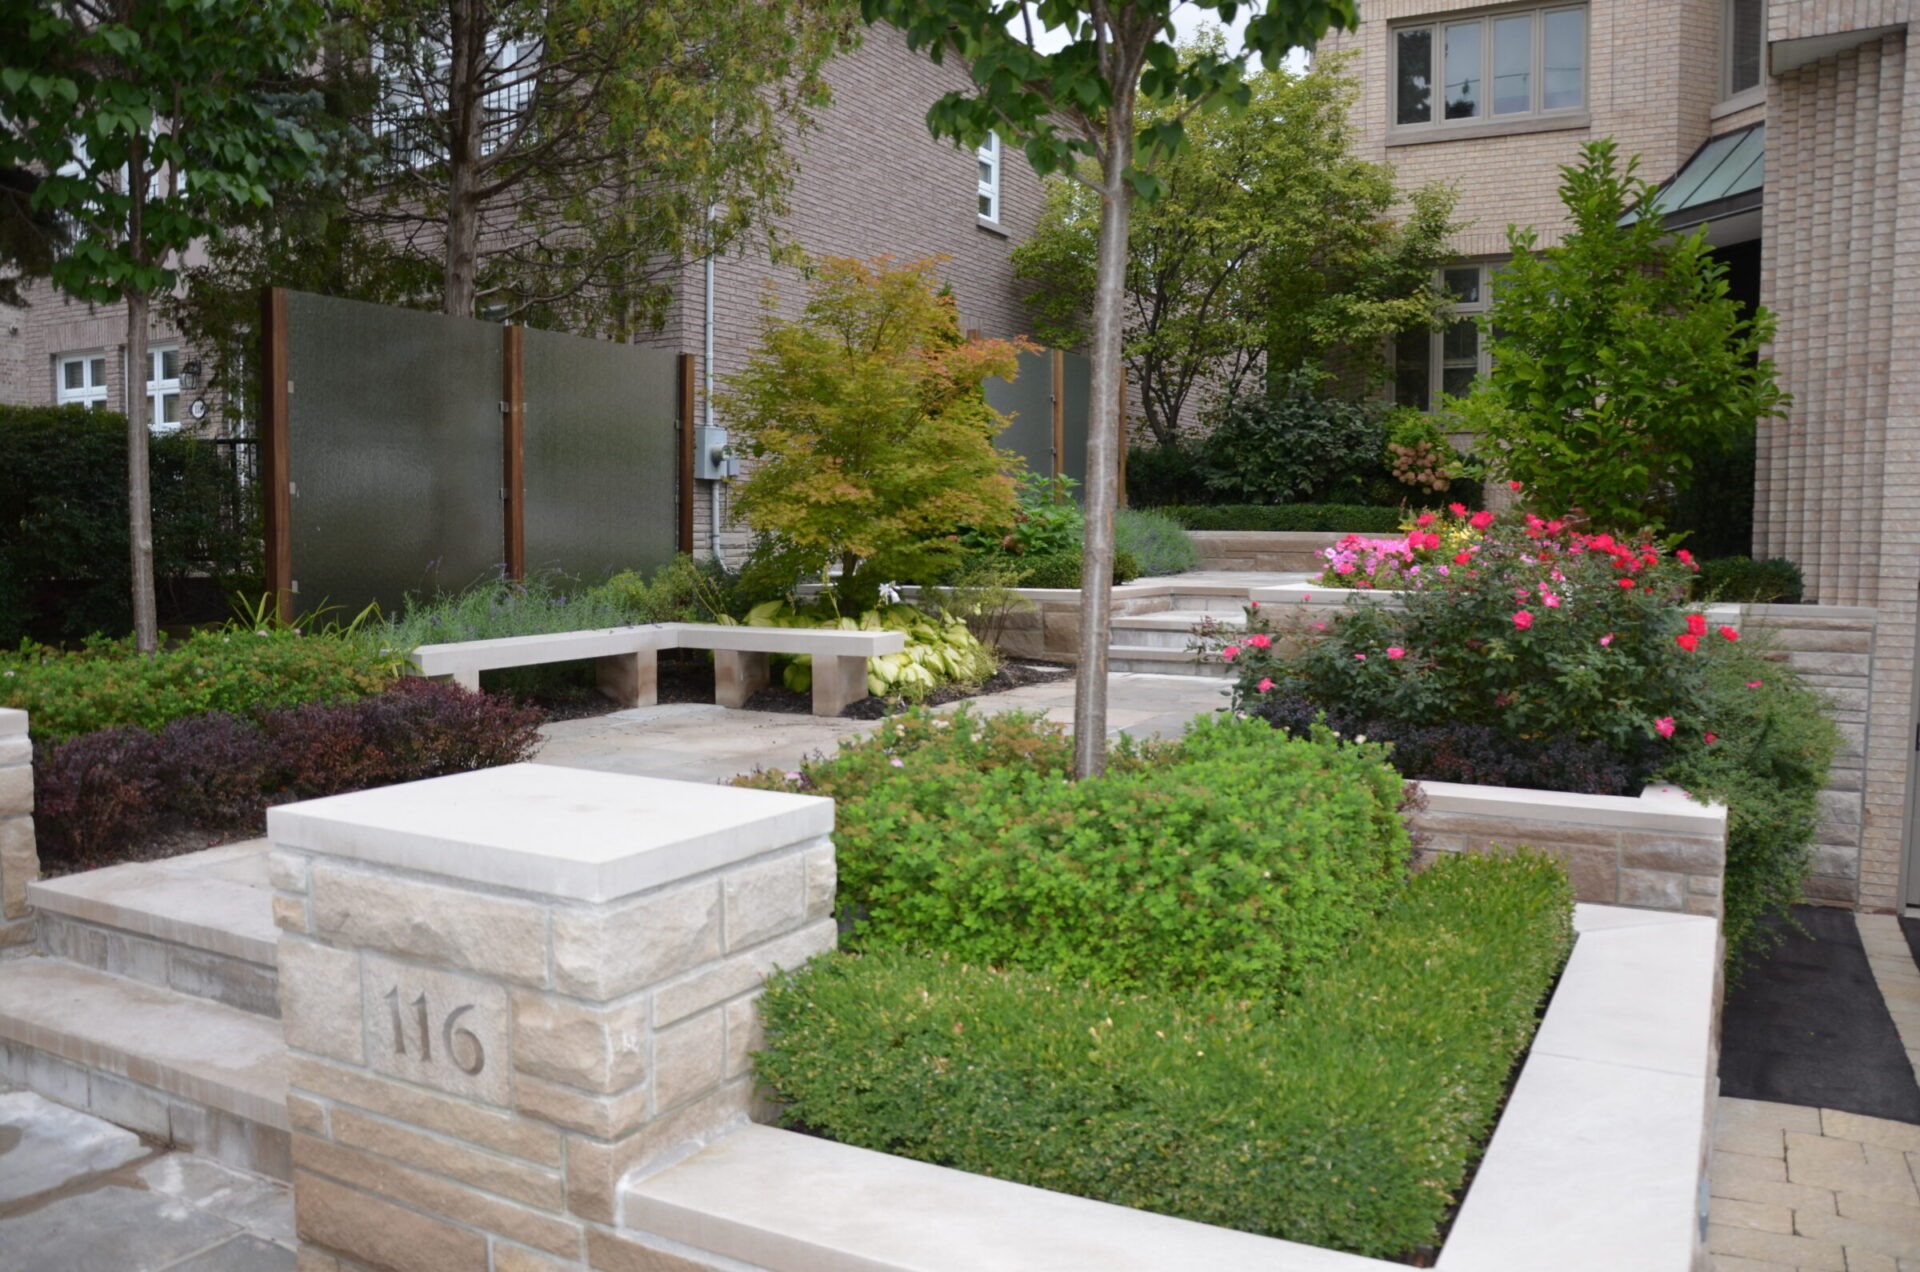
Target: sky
(1187, 21)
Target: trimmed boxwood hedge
(1344, 1115)
(1333, 518)
(1235, 859)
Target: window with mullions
(989, 157)
(1508, 65)
(1429, 363)
(80, 379)
(414, 107)
(1744, 40)
(163, 388)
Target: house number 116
(454, 1039)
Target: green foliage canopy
(1617, 355)
(870, 437)
(1271, 246)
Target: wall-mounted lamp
(190, 374)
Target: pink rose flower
(1755, 684)
(1230, 653)
(1664, 726)
(1425, 519)
(1696, 625)
(1359, 658)
(1260, 640)
(1711, 739)
(1730, 633)
(1523, 620)
(1687, 641)
(1481, 520)
(1606, 640)
(1457, 509)
(1265, 685)
(1514, 486)
(1394, 651)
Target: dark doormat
(1806, 1025)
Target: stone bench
(627, 659)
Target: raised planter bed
(1596, 1164)
(1277, 551)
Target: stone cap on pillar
(576, 834)
(12, 720)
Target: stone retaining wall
(19, 858)
(1660, 851)
(1274, 551)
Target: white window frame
(1755, 91)
(90, 395)
(1463, 311)
(1436, 25)
(989, 157)
(162, 390)
(509, 59)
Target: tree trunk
(1103, 448)
(465, 99)
(146, 623)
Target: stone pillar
(738, 674)
(19, 859)
(505, 990)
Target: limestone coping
(566, 833)
(1666, 808)
(523, 651)
(12, 720)
(1597, 1159)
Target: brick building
(1785, 126)
(870, 182)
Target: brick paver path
(1817, 1189)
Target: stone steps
(1160, 642)
(171, 1065)
(200, 924)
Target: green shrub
(1331, 518)
(1745, 580)
(1063, 569)
(1234, 859)
(1347, 1120)
(1293, 443)
(681, 591)
(1162, 475)
(940, 650)
(1773, 740)
(1155, 541)
(236, 670)
(64, 566)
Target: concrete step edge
(193, 1049)
(199, 911)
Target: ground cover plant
(940, 650)
(1539, 649)
(238, 669)
(1200, 984)
(1343, 1116)
(105, 791)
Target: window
(413, 113)
(81, 379)
(163, 388)
(989, 156)
(1744, 39)
(1429, 363)
(1510, 65)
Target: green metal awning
(1722, 179)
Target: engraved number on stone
(451, 1037)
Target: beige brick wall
(1839, 480)
(1653, 76)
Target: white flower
(890, 593)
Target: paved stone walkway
(80, 1195)
(1816, 1189)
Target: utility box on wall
(712, 460)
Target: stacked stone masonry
(19, 859)
(473, 1068)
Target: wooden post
(276, 489)
(513, 438)
(1059, 410)
(684, 486)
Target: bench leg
(838, 683)
(468, 680)
(737, 676)
(632, 680)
